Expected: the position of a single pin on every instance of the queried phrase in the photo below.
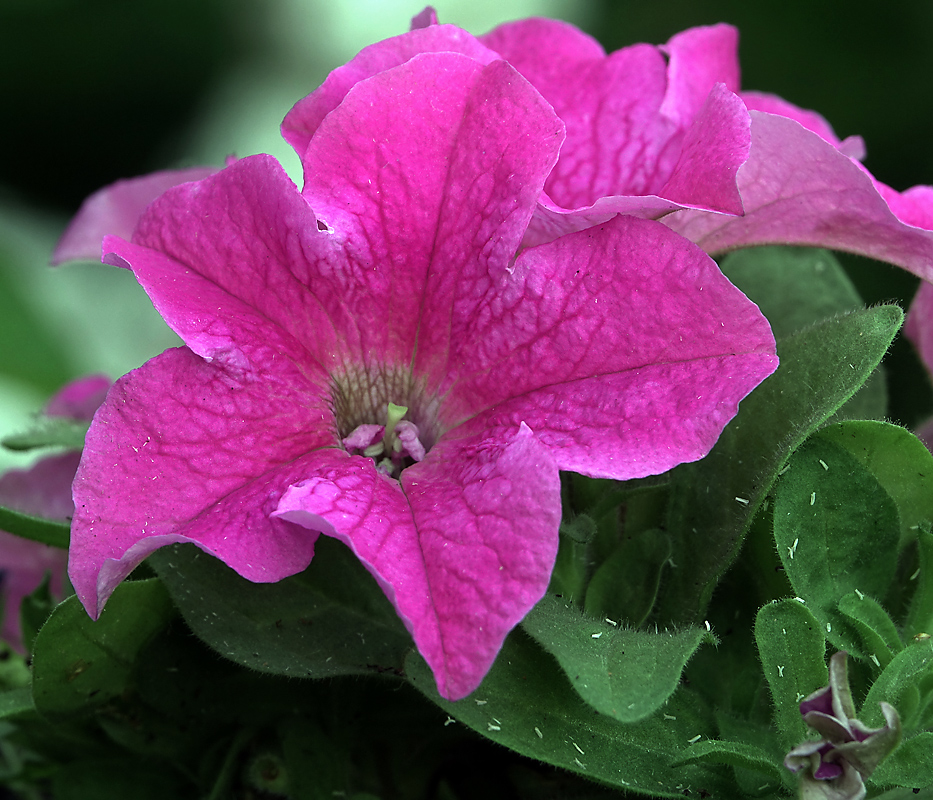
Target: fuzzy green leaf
(920, 614)
(877, 630)
(792, 649)
(526, 704)
(899, 684)
(624, 673)
(79, 663)
(332, 619)
(910, 765)
(836, 530)
(899, 461)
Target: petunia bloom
(797, 182)
(665, 132)
(373, 359)
(834, 767)
(43, 490)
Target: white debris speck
(780, 671)
(480, 702)
(800, 600)
(492, 727)
(706, 623)
(612, 622)
(915, 575)
(595, 635)
(695, 739)
(793, 548)
(449, 721)
(538, 731)
(784, 470)
(800, 697)
(669, 716)
(875, 660)
(812, 498)
(829, 627)
(860, 595)
(741, 500)
(579, 763)
(823, 465)
(579, 749)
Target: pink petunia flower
(43, 490)
(373, 359)
(664, 132)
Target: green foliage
(626, 674)
(36, 529)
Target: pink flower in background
(664, 132)
(796, 182)
(115, 210)
(376, 358)
(44, 490)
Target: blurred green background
(95, 90)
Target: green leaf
(821, 367)
(526, 704)
(735, 754)
(920, 614)
(15, 702)
(836, 530)
(34, 610)
(877, 630)
(332, 619)
(117, 779)
(49, 432)
(624, 673)
(79, 664)
(899, 684)
(625, 585)
(796, 287)
(897, 459)
(36, 529)
(910, 765)
(792, 649)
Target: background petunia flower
(835, 766)
(115, 209)
(664, 131)
(43, 490)
(649, 129)
(370, 359)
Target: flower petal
(307, 114)
(463, 548)
(429, 192)
(645, 133)
(115, 210)
(187, 451)
(799, 189)
(641, 350)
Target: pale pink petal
(641, 350)
(184, 450)
(798, 189)
(80, 398)
(305, 117)
(115, 209)
(853, 146)
(919, 325)
(463, 548)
